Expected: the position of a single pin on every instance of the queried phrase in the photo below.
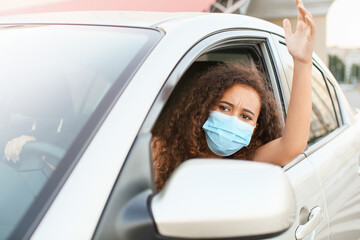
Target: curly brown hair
(178, 133)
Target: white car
(86, 88)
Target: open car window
(243, 55)
(247, 54)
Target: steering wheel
(36, 155)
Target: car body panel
(168, 22)
(307, 187)
(110, 18)
(337, 162)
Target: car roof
(161, 20)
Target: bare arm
(294, 139)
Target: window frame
(332, 103)
(335, 101)
(214, 42)
(323, 70)
(220, 40)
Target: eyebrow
(248, 111)
(232, 105)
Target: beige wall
(320, 42)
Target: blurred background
(337, 21)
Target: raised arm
(294, 139)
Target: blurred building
(276, 10)
(351, 59)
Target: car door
(333, 149)
(335, 154)
(301, 171)
(235, 45)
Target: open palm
(301, 43)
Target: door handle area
(314, 220)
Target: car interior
(244, 54)
(58, 110)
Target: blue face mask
(225, 135)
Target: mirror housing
(212, 198)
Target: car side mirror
(208, 198)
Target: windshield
(53, 81)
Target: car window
(247, 55)
(324, 117)
(57, 83)
(335, 101)
(251, 56)
(286, 61)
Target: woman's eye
(246, 117)
(224, 108)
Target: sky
(343, 24)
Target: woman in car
(232, 113)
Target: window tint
(323, 119)
(286, 61)
(335, 101)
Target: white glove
(14, 147)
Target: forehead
(241, 92)
(242, 96)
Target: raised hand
(297, 126)
(301, 43)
